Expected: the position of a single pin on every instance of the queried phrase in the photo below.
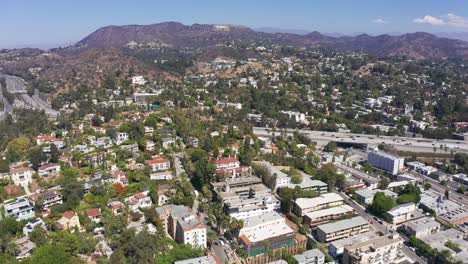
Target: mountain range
(417, 45)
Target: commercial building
(341, 229)
(439, 241)
(183, 225)
(445, 209)
(306, 205)
(421, 227)
(325, 215)
(313, 256)
(384, 161)
(20, 209)
(387, 249)
(401, 213)
(266, 229)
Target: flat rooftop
(322, 199)
(263, 218)
(422, 224)
(342, 209)
(258, 235)
(343, 225)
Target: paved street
(379, 227)
(436, 186)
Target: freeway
(400, 143)
(17, 86)
(381, 227)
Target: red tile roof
(69, 214)
(21, 169)
(157, 160)
(95, 212)
(225, 161)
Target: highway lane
(400, 143)
(436, 186)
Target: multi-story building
(306, 205)
(45, 200)
(183, 225)
(31, 225)
(139, 200)
(313, 256)
(380, 250)
(158, 164)
(20, 209)
(21, 176)
(366, 196)
(325, 215)
(69, 221)
(48, 169)
(421, 227)
(341, 229)
(231, 167)
(266, 230)
(401, 213)
(336, 248)
(387, 162)
(246, 197)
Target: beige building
(341, 229)
(69, 220)
(381, 250)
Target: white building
(388, 249)
(183, 225)
(20, 209)
(313, 256)
(21, 176)
(158, 164)
(401, 213)
(29, 227)
(121, 137)
(139, 200)
(138, 80)
(306, 205)
(421, 227)
(390, 163)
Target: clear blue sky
(55, 22)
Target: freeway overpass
(400, 143)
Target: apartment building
(387, 162)
(326, 215)
(183, 225)
(20, 209)
(387, 249)
(401, 213)
(421, 227)
(305, 205)
(266, 229)
(341, 229)
(246, 197)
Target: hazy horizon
(53, 23)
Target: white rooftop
(322, 199)
(342, 209)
